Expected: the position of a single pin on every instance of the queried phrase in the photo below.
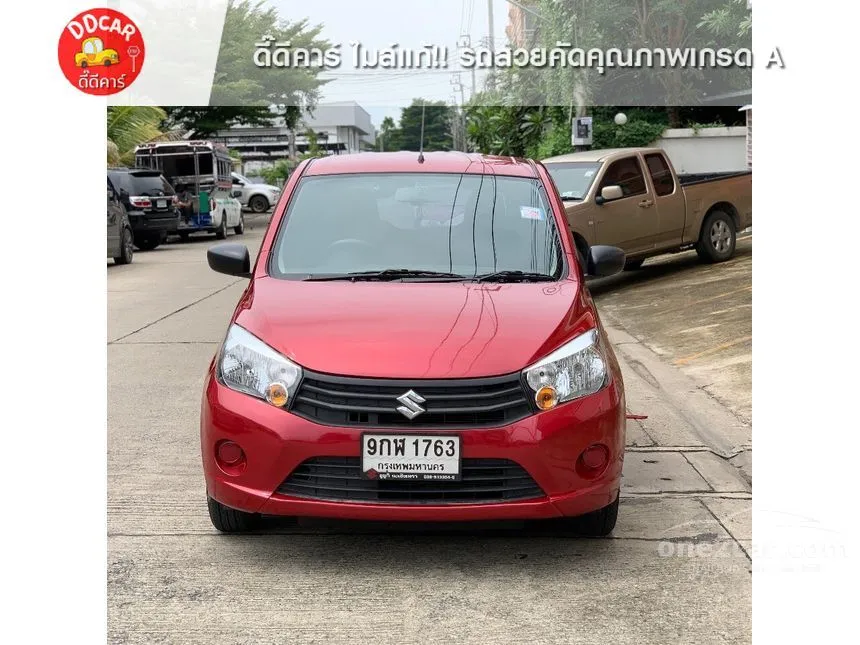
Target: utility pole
(466, 41)
(459, 126)
(491, 40)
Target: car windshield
(573, 179)
(148, 184)
(462, 224)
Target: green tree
(203, 122)
(437, 126)
(131, 125)
(389, 137)
(239, 81)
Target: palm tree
(131, 125)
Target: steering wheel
(345, 244)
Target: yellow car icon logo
(93, 53)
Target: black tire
(147, 242)
(221, 233)
(718, 238)
(229, 520)
(126, 252)
(84, 64)
(240, 229)
(107, 63)
(258, 204)
(633, 265)
(598, 523)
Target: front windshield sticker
(589, 173)
(531, 212)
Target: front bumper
(547, 445)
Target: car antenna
(421, 144)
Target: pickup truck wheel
(229, 520)
(147, 242)
(240, 228)
(599, 523)
(221, 233)
(126, 251)
(632, 265)
(717, 239)
(258, 204)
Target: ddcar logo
(101, 51)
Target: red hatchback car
(416, 342)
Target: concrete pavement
(676, 569)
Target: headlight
(250, 366)
(574, 370)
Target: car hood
(414, 329)
(262, 187)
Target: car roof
(597, 155)
(434, 162)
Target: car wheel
(258, 204)
(718, 238)
(598, 523)
(107, 63)
(632, 265)
(240, 228)
(126, 252)
(221, 233)
(229, 520)
(84, 63)
(148, 242)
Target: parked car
(257, 197)
(149, 200)
(632, 198)
(120, 239)
(416, 342)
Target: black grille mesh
(340, 478)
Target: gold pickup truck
(633, 199)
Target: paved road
(676, 570)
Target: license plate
(410, 456)
(161, 203)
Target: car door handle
(646, 203)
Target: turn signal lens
(546, 397)
(276, 394)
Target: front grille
(370, 402)
(340, 478)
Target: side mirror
(231, 259)
(608, 194)
(603, 261)
(236, 193)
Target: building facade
(340, 128)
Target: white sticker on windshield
(589, 173)
(531, 212)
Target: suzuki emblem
(411, 408)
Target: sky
(409, 23)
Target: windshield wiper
(571, 199)
(514, 276)
(389, 274)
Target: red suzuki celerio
(416, 342)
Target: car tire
(229, 520)
(221, 233)
(633, 265)
(84, 64)
(258, 204)
(599, 523)
(106, 63)
(240, 229)
(718, 238)
(147, 242)
(183, 236)
(126, 252)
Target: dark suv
(149, 199)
